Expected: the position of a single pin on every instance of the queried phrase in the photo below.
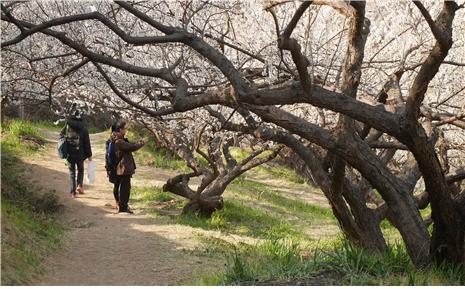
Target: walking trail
(106, 248)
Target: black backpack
(110, 160)
(72, 137)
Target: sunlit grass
(12, 133)
(29, 231)
(338, 262)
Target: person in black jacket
(78, 143)
(125, 167)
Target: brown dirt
(105, 248)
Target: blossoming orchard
(367, 98)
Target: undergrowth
(338, 262)
(29, 230)
(20, 138)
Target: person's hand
(143, 141)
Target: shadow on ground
(102, 247)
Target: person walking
(79, 149)
(125, 165)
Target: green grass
(13, 130)
(236, 217)
(271, 262)
(150, 155)
(241, 215)
(280, 202)
(96, 129)
(29, 231)
(145, 195)
(27, 238)
(240, 218)
(19, 128)
(276, 171)
(287, 262)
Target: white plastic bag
(91, 172)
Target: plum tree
(368, 95)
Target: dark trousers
(122, 190)
(72, 174)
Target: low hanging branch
(221, 168)
(65, 74)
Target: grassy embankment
(29, 229)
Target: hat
(77, 115)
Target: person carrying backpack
(78, 149)
(120, 164)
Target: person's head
(76, 115)
(120, 127)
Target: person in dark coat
(126, 166)
(79, 149)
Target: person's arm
(127, 146)
(63, 132)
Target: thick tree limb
(163, 73)
(179, 185)
(387, 145)
(432, 25)
(12, 19)
(203, 48)
(431, 65)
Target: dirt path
(105, 248)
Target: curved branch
(430, 67)
(240, 85)
(436, 31)
(13, 19)
(163, 73)
(66, 73)
(295, 19)
(162, 111)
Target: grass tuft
(21, 137)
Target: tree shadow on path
(105, 248)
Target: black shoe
(125, 210)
